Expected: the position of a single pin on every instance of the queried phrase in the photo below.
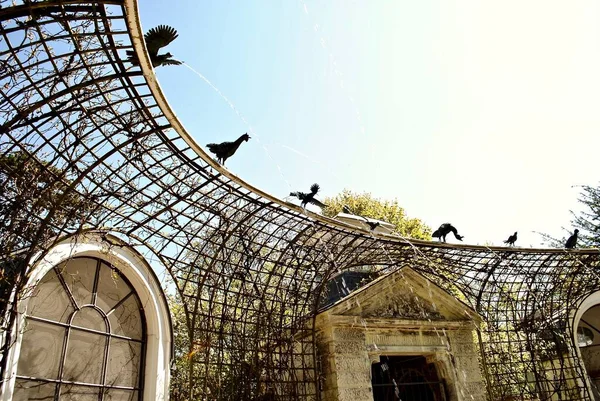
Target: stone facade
(401, 314)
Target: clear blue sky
(482, 114)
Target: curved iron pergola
(89, 142)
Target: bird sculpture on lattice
(157, 38)
(372, 224)
(572, 241)
(225, 150)
(309, 197)
(444, 230)
(511, 240)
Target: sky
(483, 114)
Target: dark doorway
(406, 378)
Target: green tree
(588, 219)
(389, 211)
(30, 190)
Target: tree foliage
(588, 219)
(389, 211)
(31, 189)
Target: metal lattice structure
(106, 152)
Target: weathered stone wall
(346, 365)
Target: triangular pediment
(403, 294)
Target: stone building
(401, 335)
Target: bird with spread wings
(309, 197)
(157, 38)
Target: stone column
(352, 365)
(346, 365)
(464, 358)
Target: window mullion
(61, 367)
(66, 288)
(120, 303)
(95, 286)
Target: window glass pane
(41, 350)
(50, 300)
(111, 288)
(79, 274)
(126, 320)
(85, 357)
(31, 390)
(120, 395)
(78, 393)
(89, 318)
(123, 363)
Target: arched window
(84, 336)
(588, 341)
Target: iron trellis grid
(106, 152)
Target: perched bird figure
(572, 241)
(372, 224)
(156, 38)
(511, 240)
(225, 150)
(446, 229)
(309, 197)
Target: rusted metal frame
(156, 231)
(54, 38)
(213, 207)
(50, 6)
(304, 307)
(168, 171)
(47, 79)
(356, 252)
(275, 266)
(173, 204)
(325, 269)
(126, 84)
(51, 98)
(190, 217)
(152, 181)
(72, 187)
(224, 310)
(90, 150)
(28, 77)
(55, 66)
(531, 349)
(119, 66)
(31, 80)
(491, 271)
(80, 108)
(143, 191)
(209, 269)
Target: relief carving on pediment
(404, 306)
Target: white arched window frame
(134, 268)
(589, 302)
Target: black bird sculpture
(572, 241)
(372, 224)
(444, 230)
(309, 197)
(155, 39)
(511, 240)
(225, 150)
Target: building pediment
(403, 294)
